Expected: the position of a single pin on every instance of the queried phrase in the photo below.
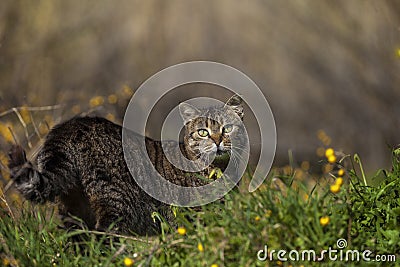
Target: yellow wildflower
(287, 170)
(340, 172)
(320, 151)
(324, 220)
(332, 159)
(299, 174)
(128, 262)
(339, 181)
(327, 141)
(329, 152)
(200, 247)
(6, 262)
(112, 99)
(335, 188)
(181, 230)
(127, 91)
(257, 218)
(321, 134)
(305, 165)
(96, 101)
(110, 117)
(214, 265)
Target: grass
(284, 214)
(296, 210)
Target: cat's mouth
(222, 157)
(218, 152)
(221, 152)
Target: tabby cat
(81, 167)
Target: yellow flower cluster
(324, 138)
(335, 188)
(98, 101)
(330, 155)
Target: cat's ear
(236, 103)
(188, 112)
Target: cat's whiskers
(239, 156)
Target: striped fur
(81, 166)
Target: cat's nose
(217, 139)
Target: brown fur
(81, 166)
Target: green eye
(228, 128)
(203, 132)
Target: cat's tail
(32, 184)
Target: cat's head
(212, 130)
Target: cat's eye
(203, 132)
(228, 128)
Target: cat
(81, 167)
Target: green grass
(230, 232)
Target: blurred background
(329, 69)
